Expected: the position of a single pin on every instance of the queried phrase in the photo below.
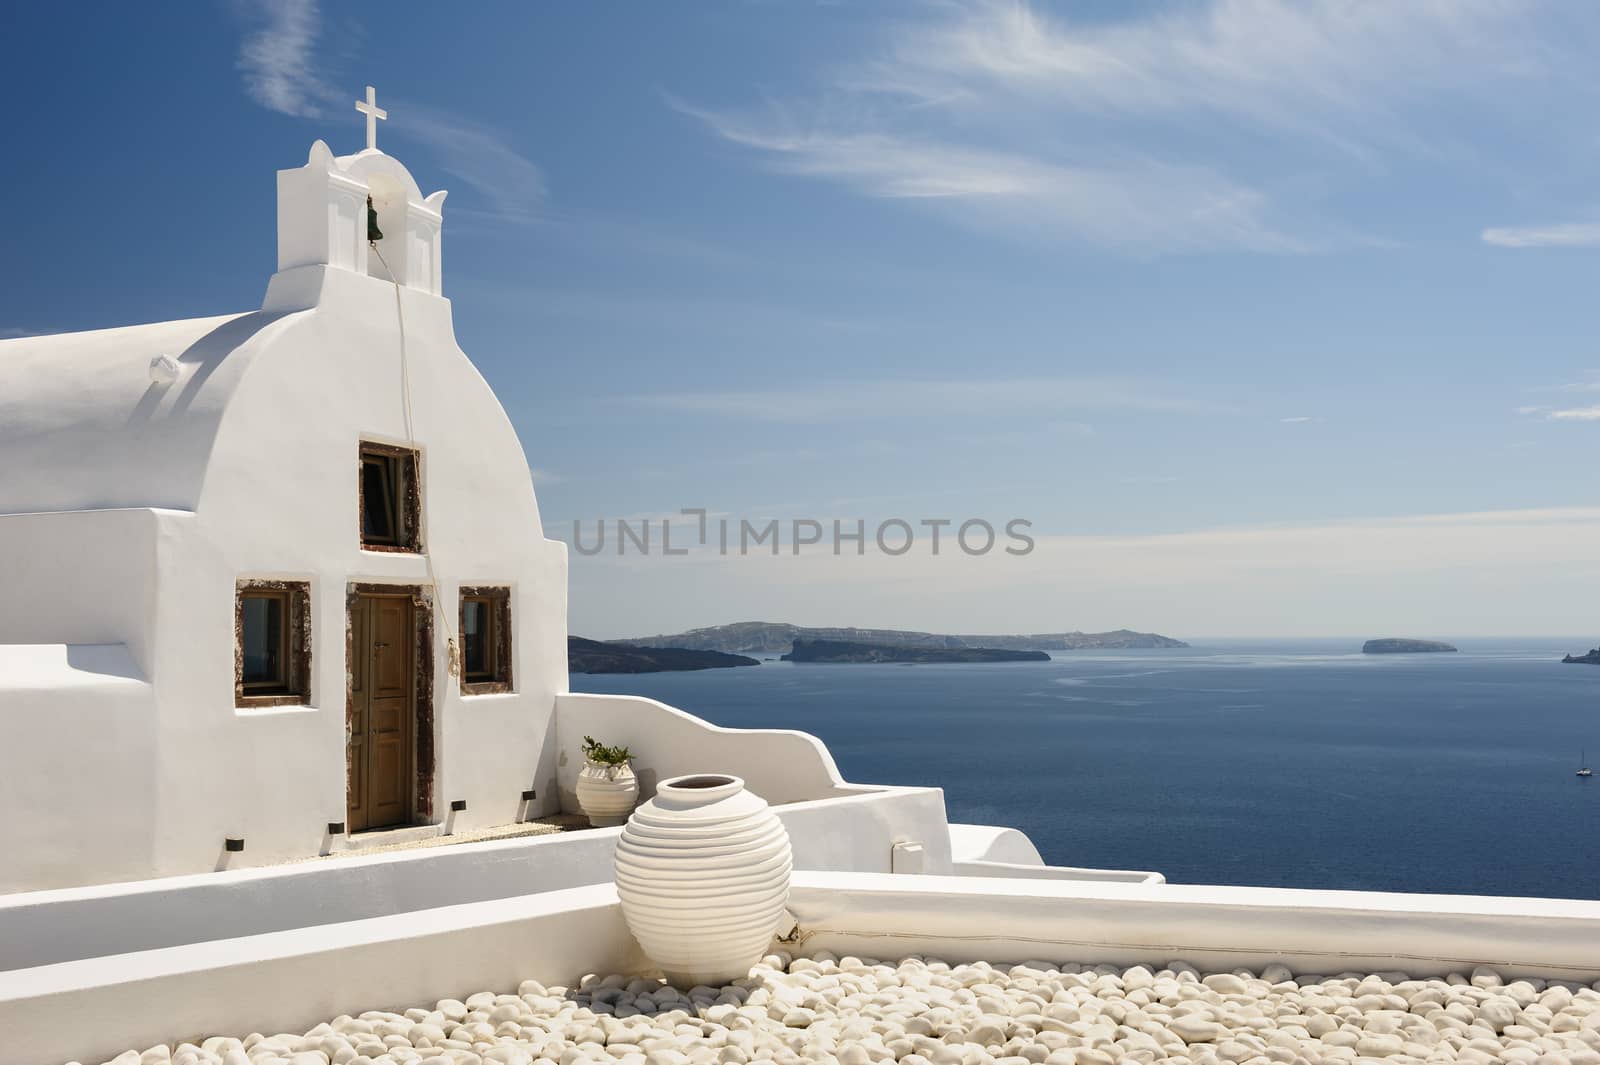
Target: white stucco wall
(992, 843)
(53, 696)
(79, 767)
(291, 980)
(963, 919)
(76, 577)
(855, 832)
(997, 851)
(780, 765)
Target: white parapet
(854, 831)
(1214, 928)
(91, 1010)
(289, 981)
(996, 851)
(781, 765)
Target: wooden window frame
(295, 688)
(498, 679)
(402, 465)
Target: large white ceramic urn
(703, 873)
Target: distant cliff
(1592, 658)
(843, 651)
(1393, 646)
(592, 656)
(774, 637)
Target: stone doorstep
(417, 837)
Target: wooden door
(383, 711)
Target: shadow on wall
(103, 659)
(205, 355)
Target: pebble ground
(922, 1011)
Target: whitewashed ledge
(92, 1009)
(924, 1011)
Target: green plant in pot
(607, 788)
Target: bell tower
(327, 210)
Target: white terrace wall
(43, 927)
(289, 981)
(996, 851)
(963, 919)
(780, 765)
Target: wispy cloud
(1575, 414)
(1590, 383)
(1561, 235)
(851, 400)
(1565, 414)
(277, 57)
(508, 185)
(1084, 127)
(1298, 419)
(1140, 204)
(1330, 69)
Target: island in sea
(1395, 646)
(1591, 658)
(846, 651)
(776, 637)
(593, 656)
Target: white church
(273, 579)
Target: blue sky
(1273, 317)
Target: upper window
(485, 640)
(272, 652)
(390, 498)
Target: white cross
(370, 108)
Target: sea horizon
(1286, 762)
(1171, 634)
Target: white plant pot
(607, 793)
(702, 870)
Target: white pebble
(923, 1011)
(1226, 984)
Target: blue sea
(1287, 764)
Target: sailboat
(1583, 764)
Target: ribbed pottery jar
(607, 793)
(703, 873)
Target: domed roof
(87, 424)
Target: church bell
(374, 234)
